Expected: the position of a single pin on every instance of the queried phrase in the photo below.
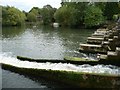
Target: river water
(45, 43)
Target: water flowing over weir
(102, 69)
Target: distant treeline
(70, 14)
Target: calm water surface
(43, 42)
(39, 42)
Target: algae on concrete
(75, 79)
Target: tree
(111, 9)
(47, 13)
(31, 17)
(35, 10)
(33, 14)
(12, 16)
(0, 15)
(93, 16)
(101, 5)
(66, 16)
(79, 8)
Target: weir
(83, 76)
(5, 59)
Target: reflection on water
(43, 42)
(12, 32)
(15, 80)
(20, 79)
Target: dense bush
(93, 16)
(12, 16)
(47, 13)
(73, 14)
(66, 16)
(111, 8)
(33, 14)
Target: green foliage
(111, 9)
(93, 16)
(80, 7)
(12, 16)
(101, 5)
(0, 15)
(88, 14)
(115, 17)
(31, 17)
(65, 16)
(47, 13)
(33, 14)
(71, 14)
(35, 10)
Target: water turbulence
(102, 69)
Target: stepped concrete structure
(105, 42)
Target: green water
(43, 42)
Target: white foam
(105, 69)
